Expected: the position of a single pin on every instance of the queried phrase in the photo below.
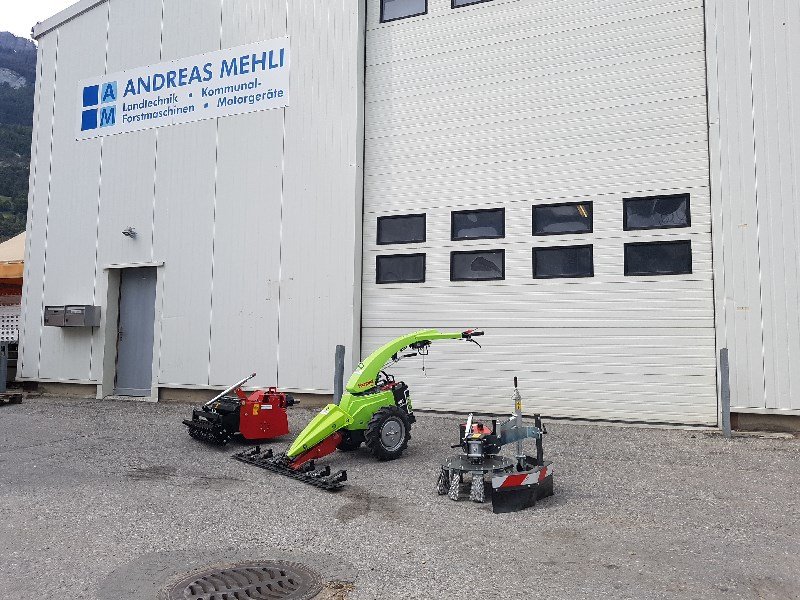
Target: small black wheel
(351, 440)
(388, 433)
(443, 483)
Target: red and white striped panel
(520, 479)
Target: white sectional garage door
(516, 104)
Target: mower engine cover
(329, 420)
(263, 414)
(482, 441)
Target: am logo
(99, 106)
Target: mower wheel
(388, 433)
(351, 441)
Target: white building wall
(322, 182)
(127, 180)
(38, 184)
(754, 84)
(184, 208)
(511, 103)
(244, 310)
(211, 201)
(72, 202)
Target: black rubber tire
(373, 438)
(350, 442)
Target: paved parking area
(104, 500)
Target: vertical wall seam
(794, 95)
(155, 164)
(163, 272)
(355, 354)
(31, 202)
(280, 229)
(47, 209)
(758, 212)
(99, 201)
(714, 258)
(214, 214)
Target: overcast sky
(18, 16)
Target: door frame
(109, 327)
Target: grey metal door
(137, 307)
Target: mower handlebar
(230, 389)
(469, 333)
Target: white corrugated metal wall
(511, 103)
(245, 285)
(754, 85)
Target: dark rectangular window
(558, 219)
(402, 229)
(563, 261)
(479, 265)
(478, 224)
(656, 212)
(400, 268)
(459, 3)
(658, 258)
(391, 10)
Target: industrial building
(608, 188)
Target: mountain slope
(17, 81)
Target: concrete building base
(770, 422)
(68, 390)
(184, 396)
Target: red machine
(260, 415)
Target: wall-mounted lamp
(129, 232)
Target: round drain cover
(268, 580)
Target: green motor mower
(375, 410)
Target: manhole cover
(270, 580)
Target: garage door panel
(510, 22)
(603, 166)
(507, 109)
(656, 398)
(447, 54)
(580, 349)
(513, 145)
(390, 62)
(476, 191)
(518, 161)
(567, 77)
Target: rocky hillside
(17, 80)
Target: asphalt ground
(102, 500)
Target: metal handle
(470, 333)
(230, 389)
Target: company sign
(218, 84)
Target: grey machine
(480, 470)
